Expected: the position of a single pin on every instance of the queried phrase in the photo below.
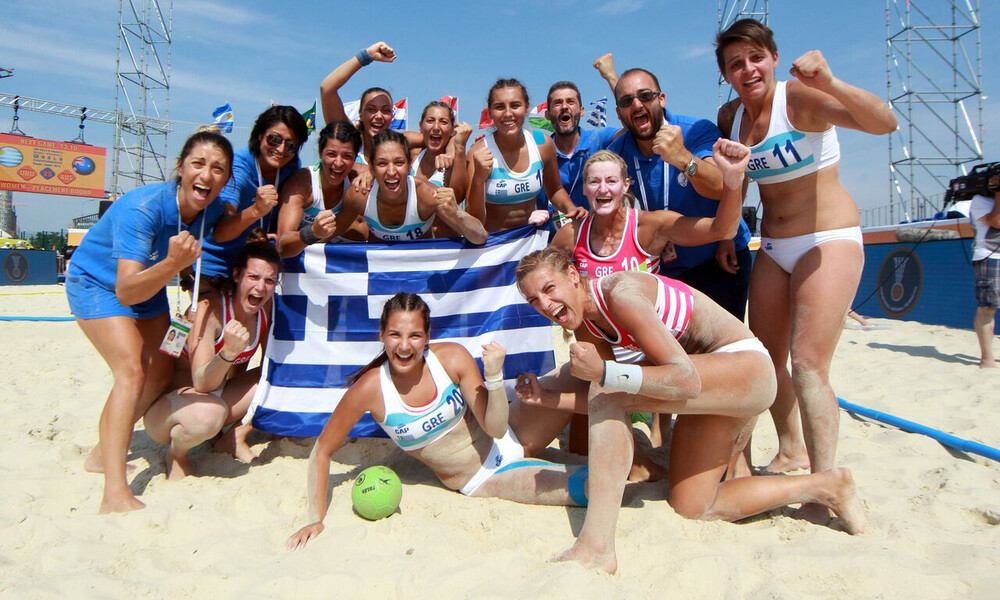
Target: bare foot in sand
(178, 465)
(845, 502)
(988, 364)
(234, 443)
(786, 463)
(119, 502)
(591, 558)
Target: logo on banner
(27, 173)
(15, 267)
(900, 277)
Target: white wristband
(493, 384)
(627, 378)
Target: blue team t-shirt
(138, 227)
(647, 174)
(219, 258)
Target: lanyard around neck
(197, 264)
(642, 184)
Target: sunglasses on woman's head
(274, 140)
(644, 96)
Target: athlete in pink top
(713, 374)
(228, 314)
(213, 388)
(615, 237)
(674, 304)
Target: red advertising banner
(30, 164)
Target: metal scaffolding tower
(934, 81)
(142, 94)
(731, 11)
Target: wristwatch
(691, 169)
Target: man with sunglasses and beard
(270, 159)
(660, 147)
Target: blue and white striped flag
(326, 318)
(599, 115)
(224, 118)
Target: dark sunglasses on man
(644, 96)
(274, 140)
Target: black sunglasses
(644, 96)
(274, 140)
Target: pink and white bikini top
(629, 256)
(220, 340)
(674, 305)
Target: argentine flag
(224, 118)
(326, 318)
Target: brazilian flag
(310, 118)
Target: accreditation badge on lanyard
(669, 253)
(180, 326)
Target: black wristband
(223, 357)
(306, 234)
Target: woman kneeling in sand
(213, 386)
(433, 403)
(702, 364)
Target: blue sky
(249, 53)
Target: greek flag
(224, 118)
(599, 115)
(326, 318)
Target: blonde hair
(611, 157)
(557, 259)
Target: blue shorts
(987, 282)
(90, 300)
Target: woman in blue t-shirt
(260, 170)
(116, 287)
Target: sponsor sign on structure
(40, 166)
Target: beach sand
(934, 527)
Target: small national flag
(599, 115)
(353, 110)
(398, 115)
(310, 118)
(224, 118)
(451, 101)
(485, 120)
(536, 118)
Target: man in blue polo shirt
(660, 147)
(573, 145)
